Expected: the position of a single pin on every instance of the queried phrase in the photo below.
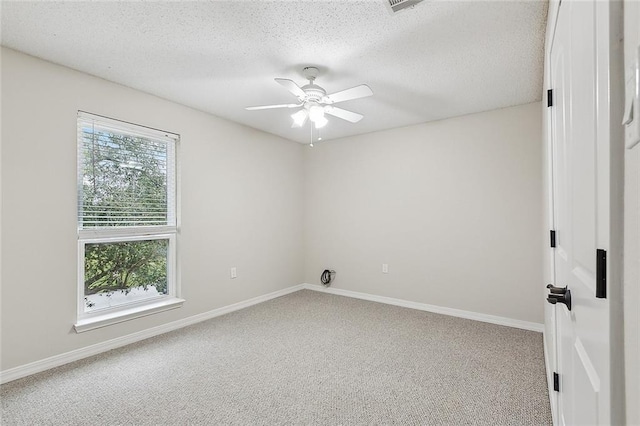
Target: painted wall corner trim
(493, 319)
(77, 354)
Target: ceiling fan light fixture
(316, 112)
(299, 117)
(320, 122)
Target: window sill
(126, 314)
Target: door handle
(564, 297)
(556, 290)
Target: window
(126, 221)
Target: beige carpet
(305, 358)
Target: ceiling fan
(315, 102)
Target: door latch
(559, 295)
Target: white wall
(241, 205)
(632, 234)
(453, 207)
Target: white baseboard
(65, 358)
(493, 319)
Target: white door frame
(549, 334)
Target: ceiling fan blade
(254, 108)
(353, 117)
(292, 87)
(357, 92)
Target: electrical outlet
(234, 273)
(385, 268)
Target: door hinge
(601, 274)
(552, 238)
(556, 382)
(550, 98)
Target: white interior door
(580, 198)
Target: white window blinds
(126, 174)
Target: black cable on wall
(327, 277)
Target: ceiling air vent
(398, 5)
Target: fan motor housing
(314, 92)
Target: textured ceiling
(436, 60)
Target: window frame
(114, 234)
